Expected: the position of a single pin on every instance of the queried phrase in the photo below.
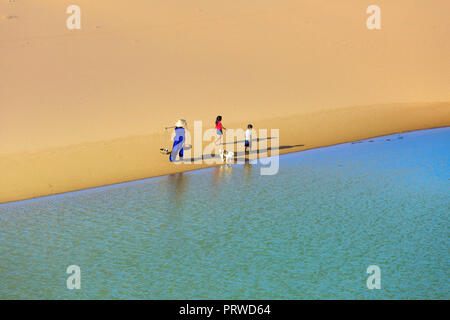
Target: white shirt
(248, 134)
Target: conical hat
(181, 123)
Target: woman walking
(178, 141)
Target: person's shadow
(240, 155)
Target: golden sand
(85, 108)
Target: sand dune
(83, 108)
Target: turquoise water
(308, 232)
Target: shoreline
(204, 167)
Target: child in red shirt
(219, 129)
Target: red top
(219, 125)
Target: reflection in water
(176, 186)
(221, 175)
(247, 171)
(216, 176)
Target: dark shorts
(247, 143)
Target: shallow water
(308, 232)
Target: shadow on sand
(241, 155)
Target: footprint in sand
(8, 17)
